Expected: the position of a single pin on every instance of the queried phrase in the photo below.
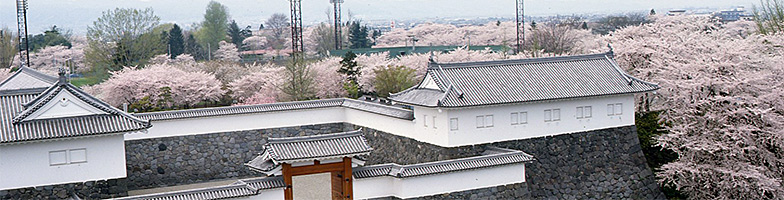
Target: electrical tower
(21, 19)
(297, 45)
(520, 10)
(338, 25)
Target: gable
(429, 83)
(26, 78)
(64, 104)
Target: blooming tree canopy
(227, 52)
(258, 87)
(722, 96)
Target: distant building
(735, 14)
(676, 12)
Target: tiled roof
(16, 107)
(26, 78)
(219, 192)
(284, 106)
(308, 148)
(526, 80)
(499, 157)
(263, 183)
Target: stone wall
(190, 159)
(87, 190)
(600, 164)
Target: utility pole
(520, 15)
(297, 45)
(338, 24)
(21, 19)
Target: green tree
(193, 48)
(769, 16)
(51, 37)
(214, 27)
(653, 12)
(350, 68)
(299, 82)
(393, 79)
(8, 48)
(123, 37)
(176, 41)
(358, 36)
(237, 35)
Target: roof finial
(611, 53)
(62, 79)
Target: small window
(556, 114)
(78, 155)
(489, 121)
(583, 112)
(480, 121)
(453, 124)
(610, 109)
(434, 122)
(618, 109)
(587, 112)
(57, 158)
(523, 118)
(514, 118)
(548, 115)
(424, 120)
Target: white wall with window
(55, 162)
(530, 120)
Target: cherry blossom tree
(227, 52)
(158, 87)
(255, 42)
(49, 59)
(327, 81)
(258, 87)
(722, 98)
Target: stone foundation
(87, 190)
(190, 159)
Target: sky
(76, 15)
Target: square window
(489, 121)
(523, 118)
(453, 124)
(556, 114)
(514, 118)
(57, 158)
(579, 112)
(480, 121)
(78, 155)
(434, 122)
(610, 110)
(548, 115)
(587, 112)
(618, 109)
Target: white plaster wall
(406, 128)
(468, 133)
(439, 183)
(27, 165)
(204, 125)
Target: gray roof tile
(526, 80)
(283, 106)
(308, 148)
(26, 78)
(14, 127)
(219, 192)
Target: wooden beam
(288, 192)
(315, 169)
(348, 186)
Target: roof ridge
(519, 61)
(239, 106)
(315, 137)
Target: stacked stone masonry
(87, 190)
(600, 164)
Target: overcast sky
(78, 14)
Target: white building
(54, 133)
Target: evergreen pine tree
(176, 42)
